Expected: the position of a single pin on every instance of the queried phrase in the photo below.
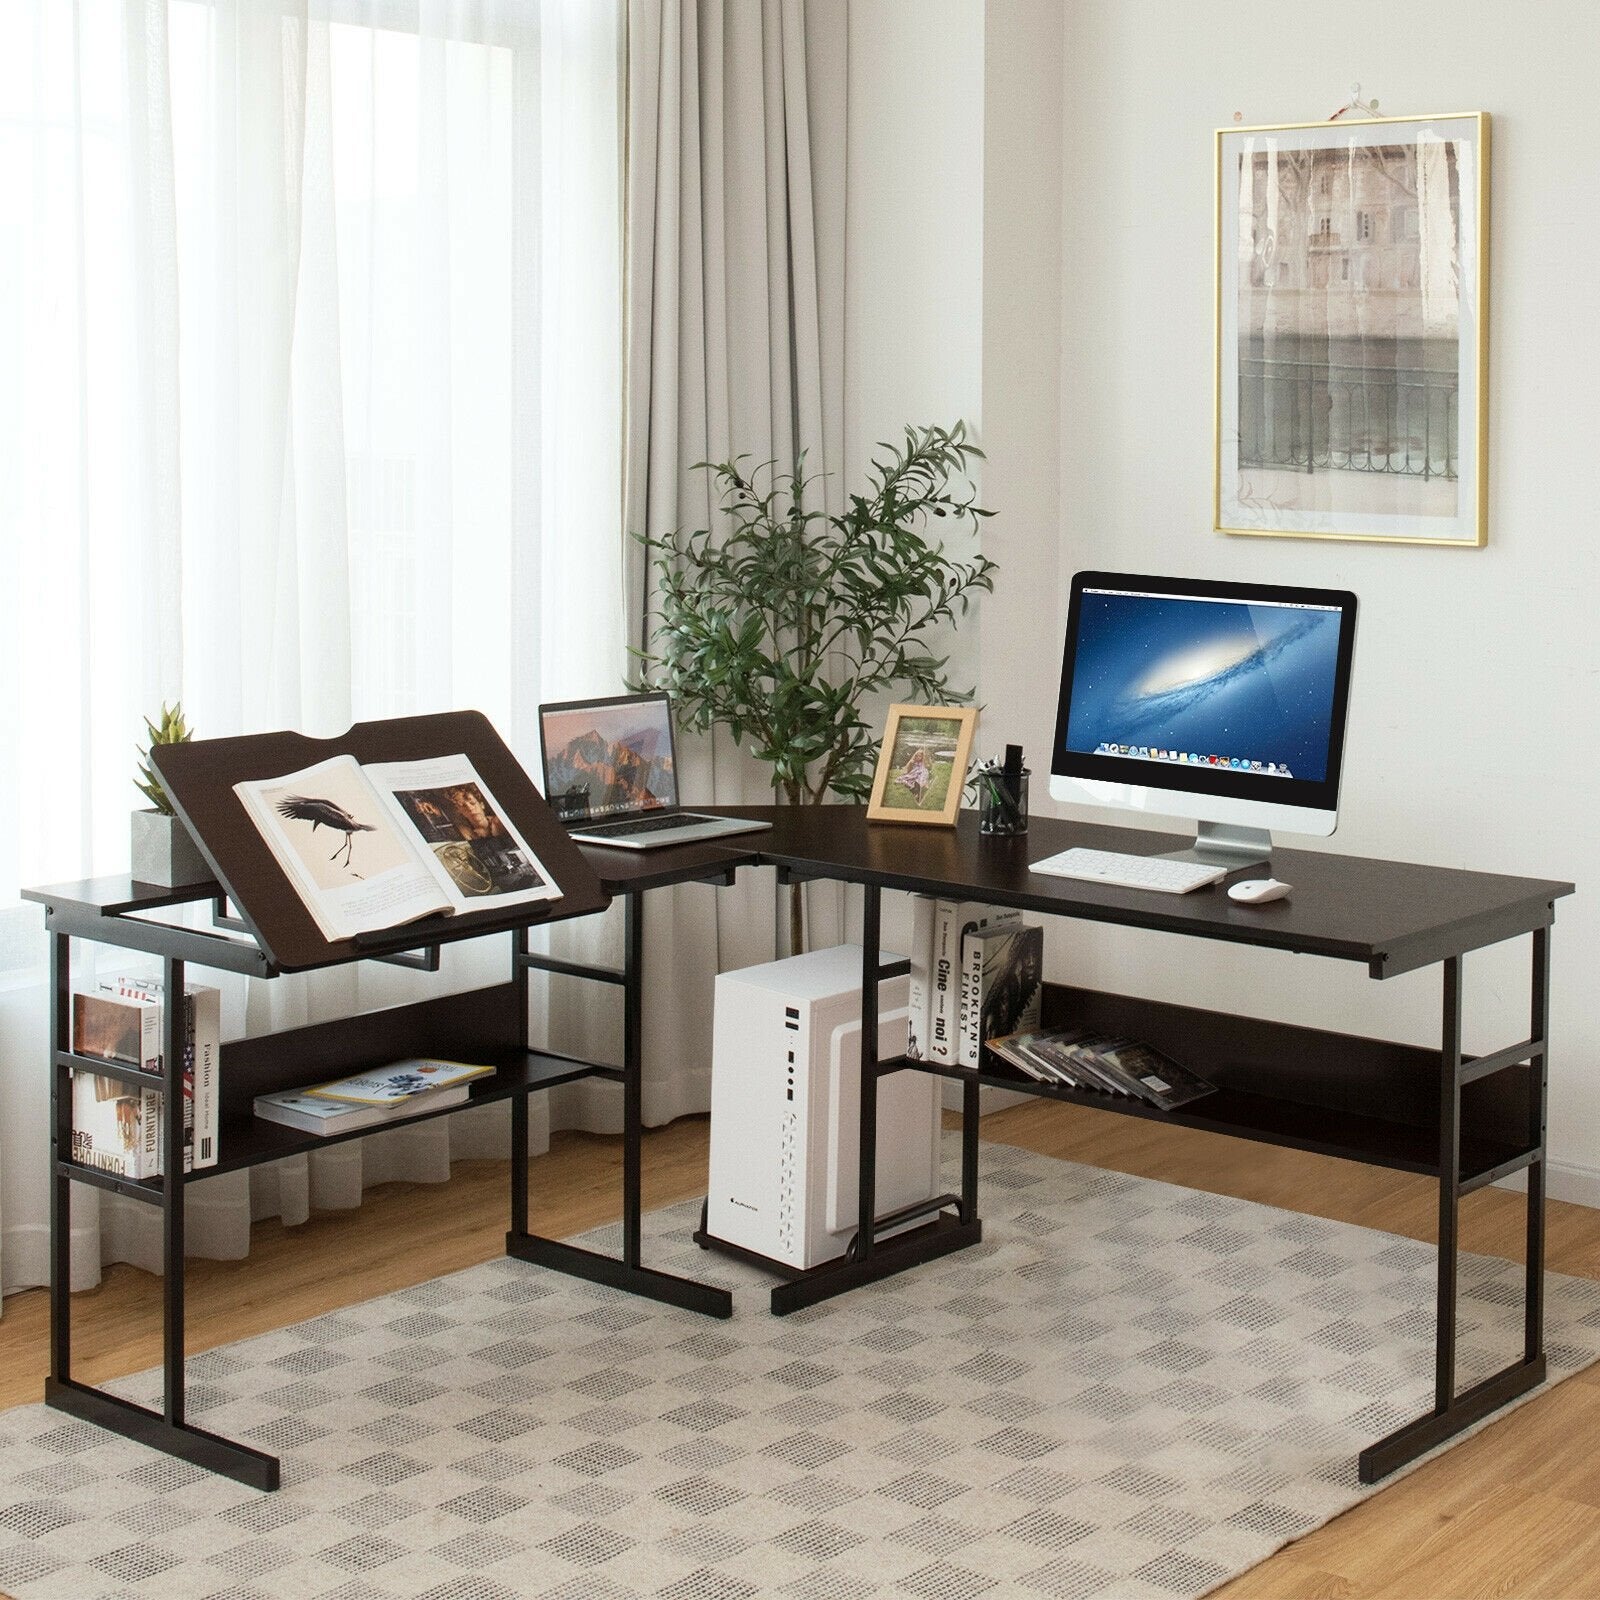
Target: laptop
(611, 774)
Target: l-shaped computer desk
(1464, 1121)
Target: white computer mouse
(1257, 891)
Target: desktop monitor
(1220, 702)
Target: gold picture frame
(922, 764)
(1352, 331)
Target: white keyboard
(1159, 873)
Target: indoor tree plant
(786, 623)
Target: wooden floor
(1513, 1512)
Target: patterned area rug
(1128, 1390)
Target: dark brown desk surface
(1394, 916)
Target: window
(279, 419)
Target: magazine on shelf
(1062, 1050)
(1012, 1048)
(1002, 984)
(1103, 1064)
(299, 1108)
(399, 1082)
(1039, 1055)
(373, 847)
(202, 1055)
(1145, 1071)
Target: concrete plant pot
(164, 852)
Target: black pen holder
(1000, 813)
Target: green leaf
(783, 621)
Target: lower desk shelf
(1367, 1100)
(1353, 1136)
(249, 1142)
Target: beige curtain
(735, 337)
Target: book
(1012, 1048)
(953, 920)
(919, 988)
(116, 1126)
(1002, 985)
(1103, 1064)
(398, 1082)
(375, 847)
(1060, 1051)
(202, 1029)
(1023, 1050)
(115, 1027)
(298, 1108)
(1144, 1071)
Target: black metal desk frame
(1465, 1121)
(485, 1024)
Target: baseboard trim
(1564, 1180)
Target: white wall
(1473, 736)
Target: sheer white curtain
(737, 132)
(309, 413)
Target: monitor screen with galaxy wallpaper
(1221, 702)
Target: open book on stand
(373, 847)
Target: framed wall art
(1352, 330)
(922, 764)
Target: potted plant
(163, 851)
(787, 625)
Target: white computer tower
(785, 1102)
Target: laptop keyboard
(675, 819)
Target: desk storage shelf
(1335, 1094)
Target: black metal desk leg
(1444, 1372)
(867, 1174)
(869, 1259)
(1452, 1412)
(163, 1430)
(632, 1073)
(1538, 1089)
(519, 1103)
(60, 1150)
(626, 1273)
(969, 1151)
(173, 1044)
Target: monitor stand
(1224, 844)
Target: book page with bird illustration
(375, 847)
(342, 848)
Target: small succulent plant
(171, 729)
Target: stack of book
(372, 1099)
(1101, 1064)
(976, 971)
(117, 1125)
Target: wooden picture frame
(1352, 344)
(922, 765)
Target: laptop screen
(608, 758)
